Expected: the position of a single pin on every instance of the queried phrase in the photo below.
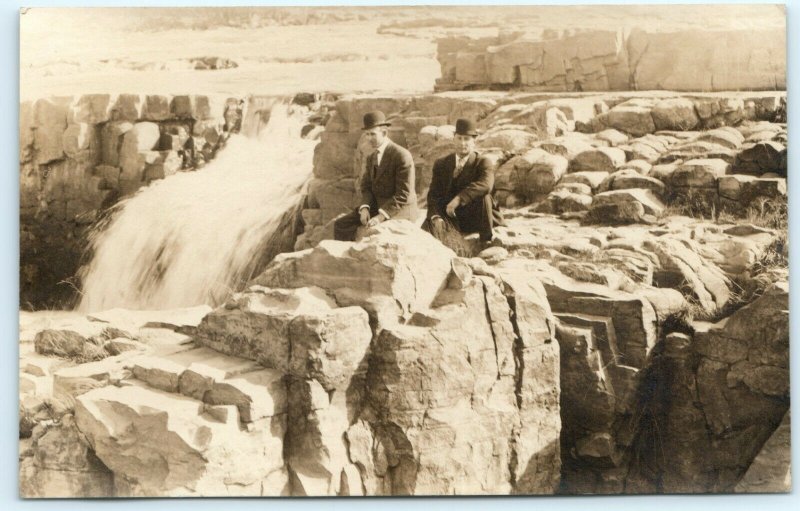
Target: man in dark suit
(460, 195)
(387, 186)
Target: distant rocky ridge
(608, 60)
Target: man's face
(376, 136)
(464, 144)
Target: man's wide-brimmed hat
(466, 127)
(373, 119)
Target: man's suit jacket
(390, 185)
(475, 181)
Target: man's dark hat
(466, 127)
(372, 119)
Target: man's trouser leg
(345, 227)
(477, 217)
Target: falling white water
(188, 239)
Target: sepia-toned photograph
(403, 251)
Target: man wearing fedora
(387, 186)
(460, 195)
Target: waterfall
(194, 237)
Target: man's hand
(437, 227)
(451, 207)
(364, 212)
(375, 220)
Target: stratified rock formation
(79, 156)
(637, 298)
(603, 60)
(552, 363)
(384, 367)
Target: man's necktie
(458, 169)
(375, 163)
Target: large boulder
(568, 146)
(770, 471)
(726, 137)
(601, 159)
(675, 114)
(593, 179)
(698, 149)
(332, 197)
(541, 176)
(612, 137)
(508, 139)
(397, 260)
(625, 181)
(699, 173)
(61, 464)
(259, 324)
(631, 119)
(743, 381)
(158, 444)
(564, 201)
(641, 167)
(745, 190)
(715, 112)
(652, 205)
(763, 157)
(333, 156)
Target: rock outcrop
(603, 60)
(392, 367)
(639, 143)
(420, 378)
(559, 359)
(79, 156)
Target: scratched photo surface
(410, 250)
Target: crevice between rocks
(489, 320)
(519, 367)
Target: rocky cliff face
(635, 299)
(390, 366)
(602, 60)
(79, 156)
(386, 367)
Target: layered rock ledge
(384, 367)
(79, 156)
(637, 298)
(554, 363)
(603, 60)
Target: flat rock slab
(170, 319)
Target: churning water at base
(191, 238)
